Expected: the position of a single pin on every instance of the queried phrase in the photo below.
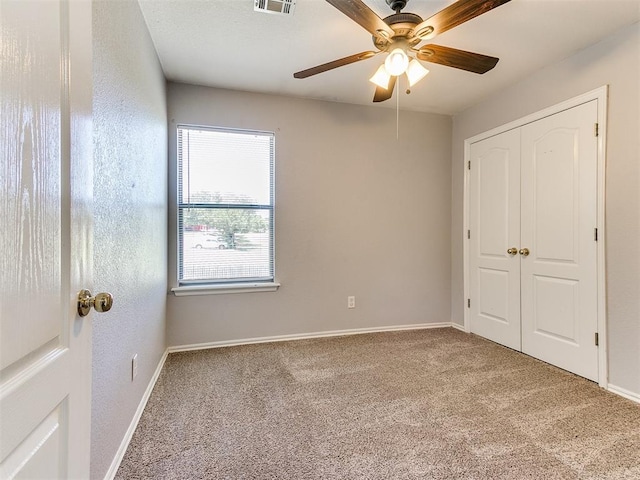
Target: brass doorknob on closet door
(512, 251)
(102, 302)
(524, 252)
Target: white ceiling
(225, 44)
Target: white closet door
(494, 221)
(559, 276)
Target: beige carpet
(427, 404)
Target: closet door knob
(512, 251)
(524, 252)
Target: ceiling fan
(400, 34)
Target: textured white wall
(130, 232)
(616, 62)
(357, 213)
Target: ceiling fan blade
(383, 94)
(452, 57)
(357, 11)
(454, 15)
(335, 64)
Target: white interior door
(559, 207)
(494, 222)
(45, 239)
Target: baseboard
(305, 336)
(624, 393)
(458, 327)
(115, 464)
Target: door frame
(601, 96)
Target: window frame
(223, 285)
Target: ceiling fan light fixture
(381, 77)
(396, 62)
(415, 72)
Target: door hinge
(469, 164)
(596, 129)
(468, 303)
(468, 234)
(597, 340)
(595, 234)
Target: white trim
(465, 243)
(601, 95)
(115, 464)
(305, 336)
(462, 328)
(597, 94)
(635, 397)
(224, 288)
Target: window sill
(224, 288)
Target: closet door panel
(494, 220)
(559, 281)
(555, 209)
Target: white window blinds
(225, 205)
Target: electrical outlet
(351, 302)
(134, 367)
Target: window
(225, 206)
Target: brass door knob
(524, 252)
(512, 251)
(102, 302)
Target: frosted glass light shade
(396, 62)
(415, 72)
(381, 77)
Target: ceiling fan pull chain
(398, 110)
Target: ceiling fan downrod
(397, 5)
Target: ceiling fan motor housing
(402, 25)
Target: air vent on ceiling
(279, 7)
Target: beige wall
(616, 62)
(130, 231)
(357, 213)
